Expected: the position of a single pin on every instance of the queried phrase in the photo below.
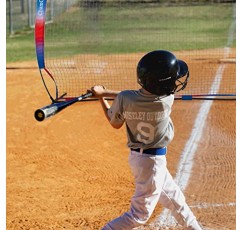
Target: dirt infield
(71, 171)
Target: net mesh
(100, 42)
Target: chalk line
(205, 205)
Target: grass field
(129, 29)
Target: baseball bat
(56, 107)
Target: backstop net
(92, 42)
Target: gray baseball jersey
(147, 118)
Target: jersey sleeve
(115, 112)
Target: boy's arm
(105, 106)
(102, 93)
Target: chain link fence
(20, 14)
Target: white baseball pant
(153, 184)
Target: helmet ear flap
(182, 69)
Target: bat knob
(39, 115)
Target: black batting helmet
(160, 73)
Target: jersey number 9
(146, 132)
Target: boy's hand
(98, 91)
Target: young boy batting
(146, 114)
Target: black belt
(152, 151)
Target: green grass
(20, 48)
(127, 30)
